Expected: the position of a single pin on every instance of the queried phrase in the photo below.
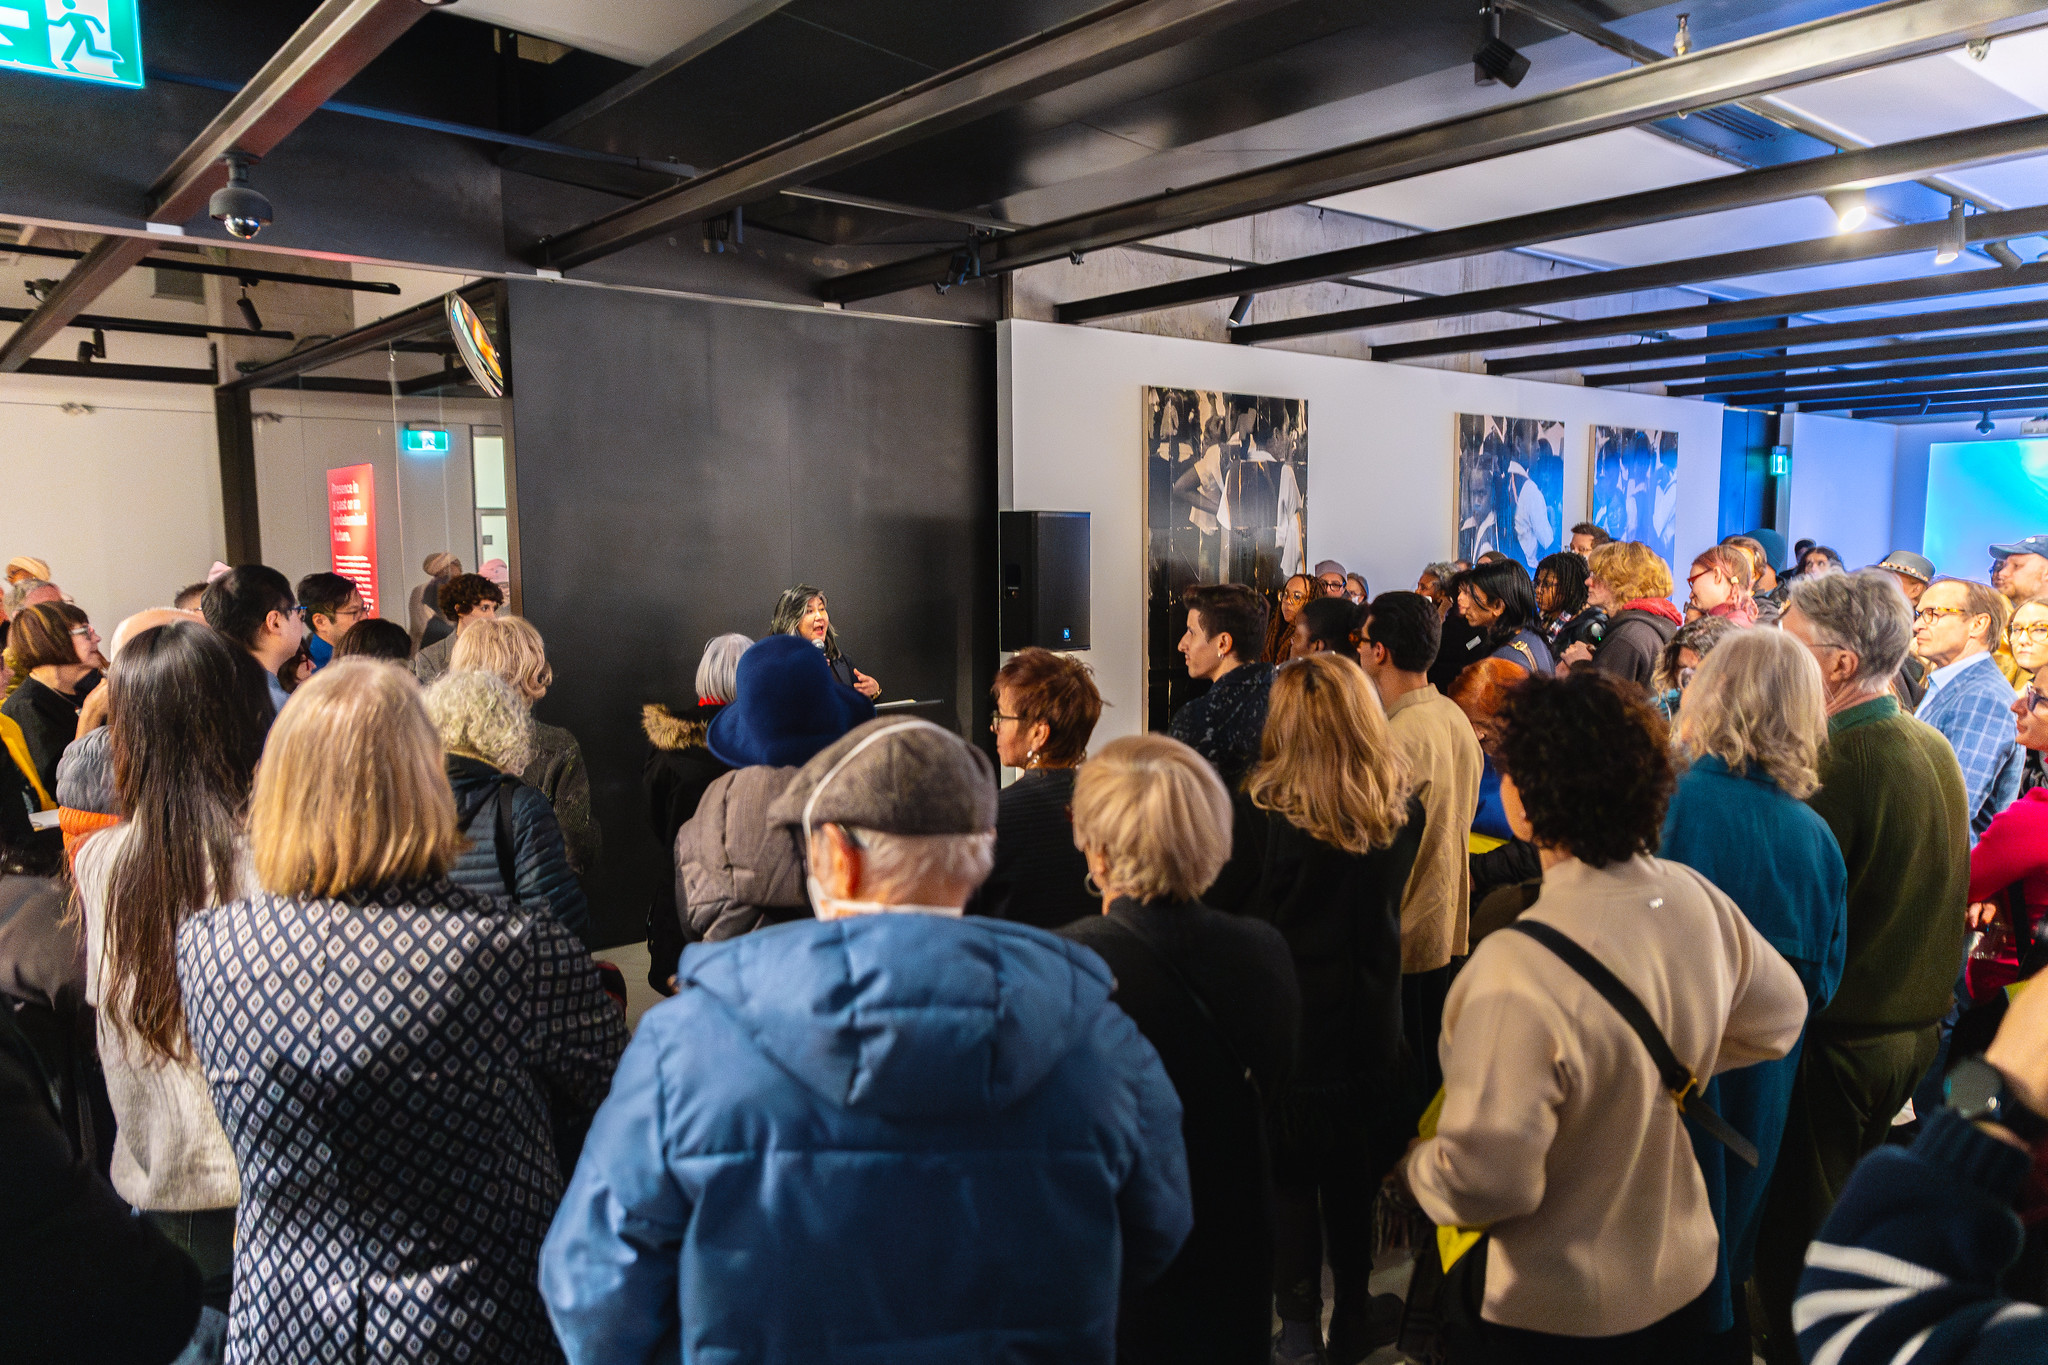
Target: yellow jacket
(16, 745)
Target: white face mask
(829, 907)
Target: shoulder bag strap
(1678, 1079)
(504, 840)
(1230, 1052)
(1521, 647)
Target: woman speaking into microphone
(801, 611)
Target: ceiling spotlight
(241, 210)
(1495, 62)
(1852, 210)
(2004, 255)
(1682, 43)
(1240, 309)
(1955, 238)
(39, 289)
(249, 313)
(1985, 426)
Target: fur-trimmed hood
(667, 730)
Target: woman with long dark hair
(1326, 834)
(1497, 597)
(801, 611)
(187, 715)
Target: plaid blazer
(1973, 711)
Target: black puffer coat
(540, 867)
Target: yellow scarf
(16, 744)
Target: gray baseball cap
(895, 776)
(1910, 565)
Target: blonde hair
(351, 794)
(1328, 763)
(1156, 813)
(1757, 702)
(1632, 570)
(478, 715)
(510, 647)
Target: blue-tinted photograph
(1635, 486)
(1979, 494)
(1510, 493)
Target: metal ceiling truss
(153, 326)
(1834, 249)
(335, 43)
(1773, 364)
(1048, 61)
(2034, 373)
(1746, 189)
(1734, 389)
(233, 272)
(1716, 75)
(1712, 314)
(1812, 334)
(2030, 401)
(1992, 399)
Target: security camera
(238, 208)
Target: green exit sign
(425, 442)
(80, 40)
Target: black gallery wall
(680, 461)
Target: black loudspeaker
(1045, 579)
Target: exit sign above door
(81, 40)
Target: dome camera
(238, 208)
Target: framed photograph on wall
(1226, 501)
(1635, 486)
(1510, 494)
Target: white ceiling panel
(2018, 64)
(1910, 99)
(636, 31)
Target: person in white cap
(889, 1133)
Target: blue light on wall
(425, 442)
(1979, 494)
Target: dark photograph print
(1635, 486)
(1510, 494)
(1226, 483)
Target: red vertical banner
(352, 528)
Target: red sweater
(2013, 849)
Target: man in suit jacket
(1968, 699)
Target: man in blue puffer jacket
(889, 1134)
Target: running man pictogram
(81, 26)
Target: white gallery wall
(1382, 454)
(122, 500)
(1843, 477)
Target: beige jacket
(734, 870)
(1556, 1132)
(1443, 755)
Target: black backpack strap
(504, 842)
(1678, 1080)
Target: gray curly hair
(479, 715)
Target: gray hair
(479, 715)
(719, 668)
(897, 866)
(1864, 613)
(17, 593)
(1698, 636)
(1443, 570)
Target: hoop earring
(1094, 888)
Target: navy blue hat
(2032, 545)
(786, 707)
(1773, 543)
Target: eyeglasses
(1295, 595)
(2036, 633)
(1703, 573)
(83, 630)
(995, 722)
(2033, 698)
(1336, 583)
(1929, 615)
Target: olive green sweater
(1892, 792)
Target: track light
(1238, 311)
(1956, 237)
(96, 349)
(1852, 210)
(1985, 426)
(239, 209)
(249, 313)
(2004, 255)
(1495, 62)
(1682, 43)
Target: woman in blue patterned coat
(386, 1051)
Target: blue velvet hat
(786, 707)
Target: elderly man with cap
(889, 1133)
(1914, 573)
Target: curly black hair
(1592, 762)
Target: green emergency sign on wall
(81, 40)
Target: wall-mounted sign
(473, 341)
(80, 40)
(352, 528)
(424, 442)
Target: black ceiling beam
(1710, 314)
(1988, 364)
(233, 272)
(1908, 397)
(454, 374)
(100, 369)
(2018, 402)
(1773, 363)
(1106, 38)
(2003, 401)
(327, 51)
(1805, 395)
(1772, 184)
(1834, 249)
(149, 326)
(1808, 52)
(1812, 334)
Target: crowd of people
(1648, 968)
